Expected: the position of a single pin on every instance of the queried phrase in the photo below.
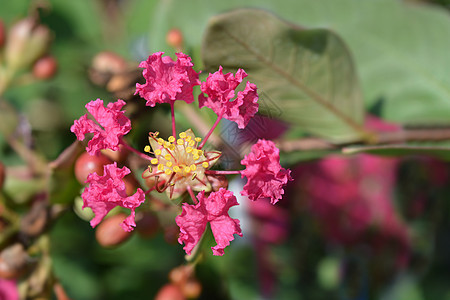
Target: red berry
(45, 67)
(87, 164)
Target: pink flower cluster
(177, 161)
(167, 80)
(220, 90)
(108, 191)
(266, 177)
(115, 125)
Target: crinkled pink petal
(214, 209)
(223, 229)
(220, 89)
(108, 191)
(8, 289)
(192, 223)
(82, 126)
(244, 107)
(167, 80)
(265, 176)
(114, 125)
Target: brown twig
(401, 136)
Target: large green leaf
(400, 48)
(307, 75)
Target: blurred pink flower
(220, 89)
(265, 176)
(108, 191)
(115, 125)
(167, 80)
(214, 209)
(8, 290)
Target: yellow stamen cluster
(180, 157)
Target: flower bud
(109, 62)
(131, 184)
(191, 289)
(27, 41)
(147, 224)
(170, 292)
(13, 261)
(217, 182)
(119, 156)
(2, 33)
(109, 233)
(45, 67)
(87, 164)
(171, 234)
(60, 293)
(2, 175)
(174, 38)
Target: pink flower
(264, 173)
(167, 80)
(8, 289)
(214, 209)
(111, 118)
(221, 89)
(108, 191)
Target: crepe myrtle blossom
(179, 164)
(213, 210)
(113, 125)
(220, 89)
(265, 176)
(108, 191)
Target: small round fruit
(109, 233)
(87, 164)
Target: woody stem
(172, 112)
(191, 193)
(217, 172)
(219, 117)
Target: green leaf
(400, 48)
(308, 75)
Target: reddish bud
(27, 41)
(2, 33)
(191, 289)
(147, 224)
(131, 184)
(174, 38)
(118, 156)
(13, 261)
(109, 233)
(87, 164)
(2, 175)
(109, 62)
(45, 67)
(171, 234)
(170, 292)
(218, 181)
(60, 293)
